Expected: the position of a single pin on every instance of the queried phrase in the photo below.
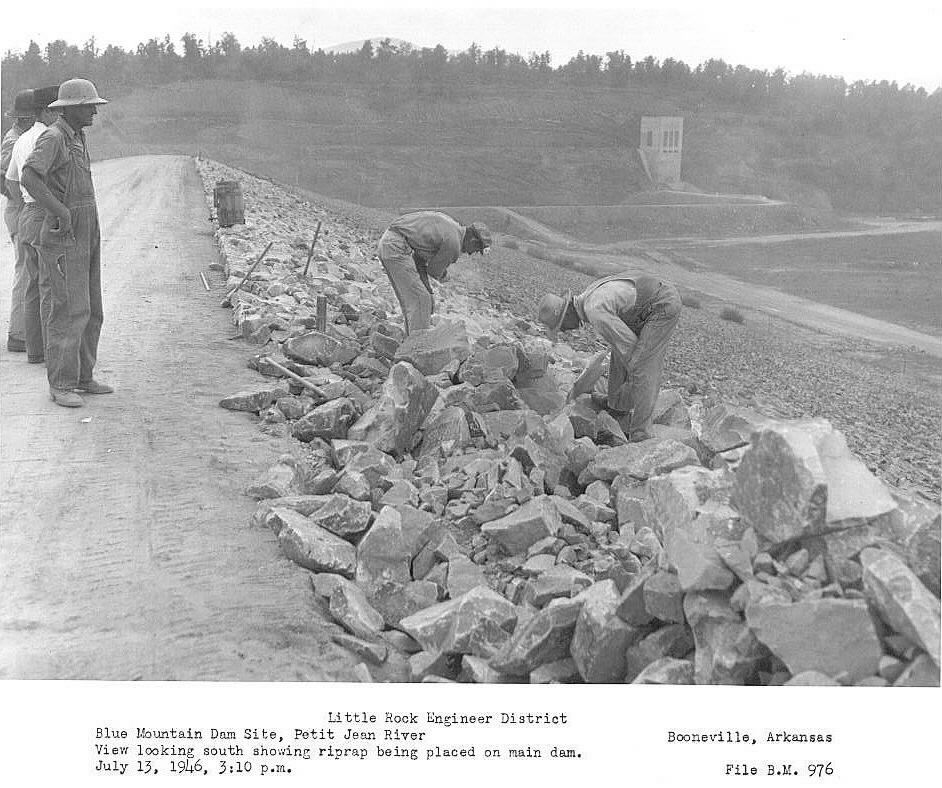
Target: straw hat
(552, 311)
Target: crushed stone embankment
(462, 522)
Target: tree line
(436, 73)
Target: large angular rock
(727, 652)
(799, 479)
(664, 598)
(491, 397)
(314, 547)
(562, 671)
(676, 498)
(327, 422)
(253, 401)
(489, 365)
(342, 516)
(903, 602)
(375, 465)
(667, 670)
(396, 600)
(349, 607)
(321, 349)
(923, 552)
(699, 566)
(539, 452)
(281, 480)
(430, 350)
(832, 636)
(781, 487)
(727, 427)
(854, 493)
(383, 554)
(546, 637)
(392, 424)
(601, 638)
(506, 423)
(445, 432)
(632, 501)
(535, 520)
(478, 623)
(670, 410)
(671, 641)
(463, 575)
(559, 581)
(638, 460)
(541, 395)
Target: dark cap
(22, 105)
(43, 97)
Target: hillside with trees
(392, 125)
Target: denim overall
(70, 278)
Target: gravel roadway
(125, 549)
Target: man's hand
(65, 224)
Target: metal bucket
(230, 207)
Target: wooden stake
(310, 253)
(227, 300)
(297, 378)
(205, 283)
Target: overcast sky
(856, 40)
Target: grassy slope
(512, 146)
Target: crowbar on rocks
(310, 253)
(298, 379)
(227, 301)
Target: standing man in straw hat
(23, 113)
(636, 315)
(58, 175)
(423, 244)
(30, 221)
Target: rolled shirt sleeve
(601, 311)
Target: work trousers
(633, 389)
(70, 283)
(34, 317)
(18, 293)
(415, 298)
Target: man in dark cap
(423, 244)
(635, 314)
(58, 175)
(30, 221)
(23, 113)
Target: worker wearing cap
(58, 175)
(23, 113)
(30, 220)
(635, 314)
(423, 244)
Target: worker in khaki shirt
(30, 221)
(420, 245)
(635, 314)
(58, 175)
(22, 112)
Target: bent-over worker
(423, 244)
(635, 314)
(58, 175)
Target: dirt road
(125, 549)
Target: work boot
(67, 399)
(16, 345)
(94, 387)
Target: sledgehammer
(227, 301)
